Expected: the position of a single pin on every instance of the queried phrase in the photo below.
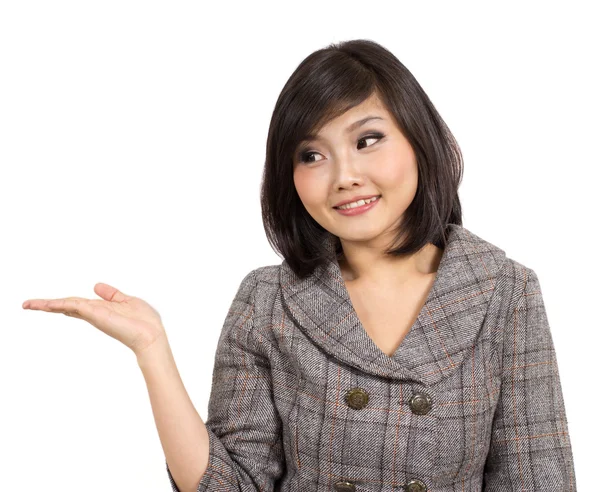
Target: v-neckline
(405, 330)
(319, 306)
(423, 311)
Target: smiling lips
(356, 210)
(355, 199)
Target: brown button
(357, 398)
(415, 485)
(420, 403)
(344, 487)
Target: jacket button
(415, 485)
(357, 398)
(344, 487)
(420, 403)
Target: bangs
(324, 98)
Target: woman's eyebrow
(353, 126)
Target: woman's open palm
(128, 319)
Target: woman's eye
(371, 137)
(305, 155)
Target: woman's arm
(240, 447)
(530, 447)
(182, 432)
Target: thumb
(109, 293)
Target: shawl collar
(444, 332)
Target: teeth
(358, 203)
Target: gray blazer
(303, 400)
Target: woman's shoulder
(465, 250)
(259, 284)
(511, 272)
(266, 276)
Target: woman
(392, 349)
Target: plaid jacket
(303, 400)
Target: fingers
(70, 306)
(109, 293)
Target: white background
(132, 141)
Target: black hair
(327, 83)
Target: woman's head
(313, 160)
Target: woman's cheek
(402, 173)
(311, 185)
(307, 185)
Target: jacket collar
(443, 334)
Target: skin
(342, 165)
(128, 319)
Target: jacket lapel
(446, 328)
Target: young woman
(392, 349)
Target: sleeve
(530, 447)
(244, 428)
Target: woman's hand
(128, 319)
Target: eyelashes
(304, 154)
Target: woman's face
(353, 161)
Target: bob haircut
(326, 84)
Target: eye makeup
(304, 153)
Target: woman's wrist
(157, 351)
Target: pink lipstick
(358, 210)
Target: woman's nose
(347, 170)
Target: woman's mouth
(354, 209)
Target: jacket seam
(510, 311)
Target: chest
(388, 313)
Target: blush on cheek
(306, 187)
(399, 173)
(312, 186)
(299, 180)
